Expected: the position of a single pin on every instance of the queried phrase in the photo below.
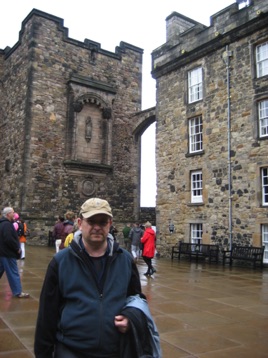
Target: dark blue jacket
(79, 311)
(9, 242)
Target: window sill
(201, 152)
(195, 204)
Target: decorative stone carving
(78, 106)
(88, 129)
(88, 187)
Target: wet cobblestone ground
(201, 310)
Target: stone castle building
(69, 124)
(212, 128)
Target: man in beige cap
(85, 290)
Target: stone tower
(66, 124)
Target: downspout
(226, 57)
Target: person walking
(22, 230)
(135, 236)
(127, 241)
(58, 232)
(10, 251)
(148, 240)
(84, 293)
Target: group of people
(140, 240)
(91, 303)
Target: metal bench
(244, 253)
(209, 251)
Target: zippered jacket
(77, 310)
(9, 241)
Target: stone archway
(142, 121)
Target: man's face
(96, 228)
(10, 215)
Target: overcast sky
(140, 23)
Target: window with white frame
(195, 85)
(264, 178)
(196, 187)
(196, 233)
(264, 234)
(262, 59)
(195, 134)
(263, 118)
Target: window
(264, 234)
(196, 233)
(196, 134)
(262, 59)
(263, 118)
(195, 85)
(196, 187)
(264, 177)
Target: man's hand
(121, 322)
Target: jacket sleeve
(49, 306)
(144, 237)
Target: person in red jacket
(148, 240)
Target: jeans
(57, 244)
(135, 250)
(22, 246)
(9, 265)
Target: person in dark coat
(10, 251)
(85, 290)
(135, 236)
(58, 232)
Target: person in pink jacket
(148, 240)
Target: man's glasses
(101, 223)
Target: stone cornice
(181, 59)
(88, 82)
(89, 167)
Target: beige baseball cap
(95, 206)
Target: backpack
(20, 229)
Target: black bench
(246, 253)
(196, 250)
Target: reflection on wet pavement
(201, 310)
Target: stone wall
(241, 30)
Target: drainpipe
(226, 58)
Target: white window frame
(263, 118)
(262, 59)
(264, 181)
(195, 85)
(196, 186)
(264, 235)
(195, 134)
(196, 231)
